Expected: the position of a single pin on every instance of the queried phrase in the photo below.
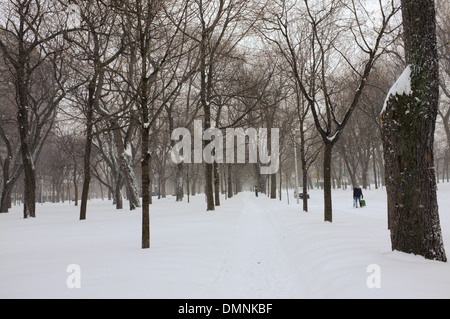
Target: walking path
(257, 264)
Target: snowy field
(248, 248)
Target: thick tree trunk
(408, 136)
(29, 207)
(6, 197)
(5, 200)
(8, 182)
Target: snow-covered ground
(248, 248)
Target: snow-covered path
(247, 248)
(256, 258)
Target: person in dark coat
(256, 191)
(357, 195)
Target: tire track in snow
(257, 265)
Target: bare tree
(30, 45)
(158, 30)
(321, 87)
(10, 160)
(71, 143)
(219, 22)
(99, 28)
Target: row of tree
(95, 88)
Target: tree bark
(5, 200)
(118, 192)
(88, 147)
(304, 165)
(145, 159)
(179, 181)
(29, 207)
(205, 85)
(75, 185)
(328, 216)
(126, 167)
(216, 184)
(374, 164)
(87, 169)
(230, 181)
(408, 126)
(8, 182)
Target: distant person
(357, 195)
(256, 191)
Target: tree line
(91, 90)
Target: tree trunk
(328, 214)
(61, 191)
(145, 166)
(209, 187)
(280, 184)
(216, 184)
(8, 185)
(8, 181)
(194, 184)
(273, 186)
(206, 78)
(126, 168)
(230, 181)
(305, 190)
(88, 149)
(179, 181)
(209, 191)
(223, 182)
(304, 167)
(29, 207)
(187, 185)
(5, 199)
(75, 185)
(408, 126)
(374, 163)
(364, 176)
(118, 193)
